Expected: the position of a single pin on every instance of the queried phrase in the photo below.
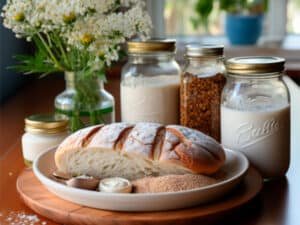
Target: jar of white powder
(150, 83)
(255, 113)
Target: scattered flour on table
(22, 218)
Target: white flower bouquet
(83, 36)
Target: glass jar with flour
(255, 113)
(150, 83)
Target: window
(176, 18)
(293, 17)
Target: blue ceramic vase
(243, 29)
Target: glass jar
(201, 87)
(150, 83)
(77, 94)
(255, 113)
(42, 132)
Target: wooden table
(278, 203)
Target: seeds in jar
(200, 99)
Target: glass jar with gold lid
(150, 83)
(255, 113)
(42, 132)
(201, 87)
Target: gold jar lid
(197, 50)
(254, 65)
(46, 124)
(152, 45)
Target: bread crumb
(172, 183)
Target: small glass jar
(102, 112)
(201, 87)
(255, 113)
(150, 83)
(42, 132)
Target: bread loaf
(135, 151)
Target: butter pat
(115, 185)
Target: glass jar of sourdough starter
(255, 113)
(42, 132)
(150, 83)
(202, 83)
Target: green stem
(58, 40)
(50, 52)
(87, 96)
(52, 46)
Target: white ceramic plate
(231, 173)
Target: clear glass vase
(85, 101)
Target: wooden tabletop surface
(278, 203)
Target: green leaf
(37, 63)
(195, 22)
(266, 5)
(76, 123)
(203, 8)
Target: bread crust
(173, 144)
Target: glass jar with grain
(202, 83)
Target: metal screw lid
(197, 50)
(151, 45)
(254, 65)
(46, 124)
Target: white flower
(15, 13)
(101, 34)
(96, 26)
